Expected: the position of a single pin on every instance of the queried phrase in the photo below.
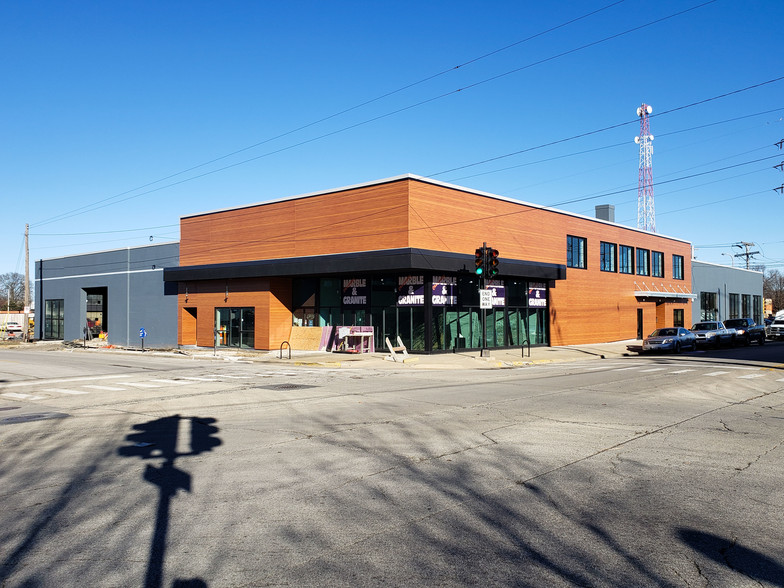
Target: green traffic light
(479, 271)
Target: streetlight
(732, 258)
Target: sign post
(142, 335)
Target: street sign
(142, 333)
(485, 299)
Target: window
(746, 305)
(735, 306)
(677, 317)
(53, 319)
(708, 309)
(643, 262)
(626, 259)
(757, 309)
(575, 252)
(608, 257)
(677, 267)
(657, 264)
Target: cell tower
(646, 217)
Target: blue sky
(106, 105)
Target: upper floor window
(626, 259)
(608, 261)
(657, 264)
(575, 252)
(677, 267)
(643, 262)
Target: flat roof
(435, 183)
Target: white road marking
(17, 396)
(139, 384)
(636, 367)
(64, 391)
(234, 377)
(653, 370)
(198, 379)
(750, 376)
(711, 374)
(176, 382)
(681, 371)
(55, 381)
(108, 388)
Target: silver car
(672, 339)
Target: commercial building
(726, 292)
(110, 294)
(397, 255)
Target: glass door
(235, 327)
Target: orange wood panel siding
(590, 306)
(361, 219)
(271, 299)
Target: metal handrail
(522, 349)
(280, 355)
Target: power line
(94, 206)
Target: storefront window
(53, 319)
(235, 327)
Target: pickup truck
(713, 333)
(746, 330)
(776, 329)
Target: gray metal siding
(723, 280)
(136, 293)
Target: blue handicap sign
(142, 333)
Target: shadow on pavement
(158, 439)
(743, 560)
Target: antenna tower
(646, 217)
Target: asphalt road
(636, 471)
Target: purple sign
(355, 292)
(537, 294)
(499, 291)
(411, 291)
(444, 291)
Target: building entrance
(235, 327)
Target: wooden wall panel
(373, 217)
(590, 306)
(273, 312)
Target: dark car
(746, 330)
(672, 339)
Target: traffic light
(479, 261)
(492, 262)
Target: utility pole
(27, 284)
(748, 253)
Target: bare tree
(12, 286)
(773, 288)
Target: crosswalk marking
(176, 382)
(749, 376)
(65, 391)
(107, 388)
(139, 384)
(627, 368)
(715, 374)
(681, 371)
(18, 396)
(660, 369)
(198, 379)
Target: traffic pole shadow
(158, 440)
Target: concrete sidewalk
(494, 358)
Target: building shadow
(743, 560)
(160, 440)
